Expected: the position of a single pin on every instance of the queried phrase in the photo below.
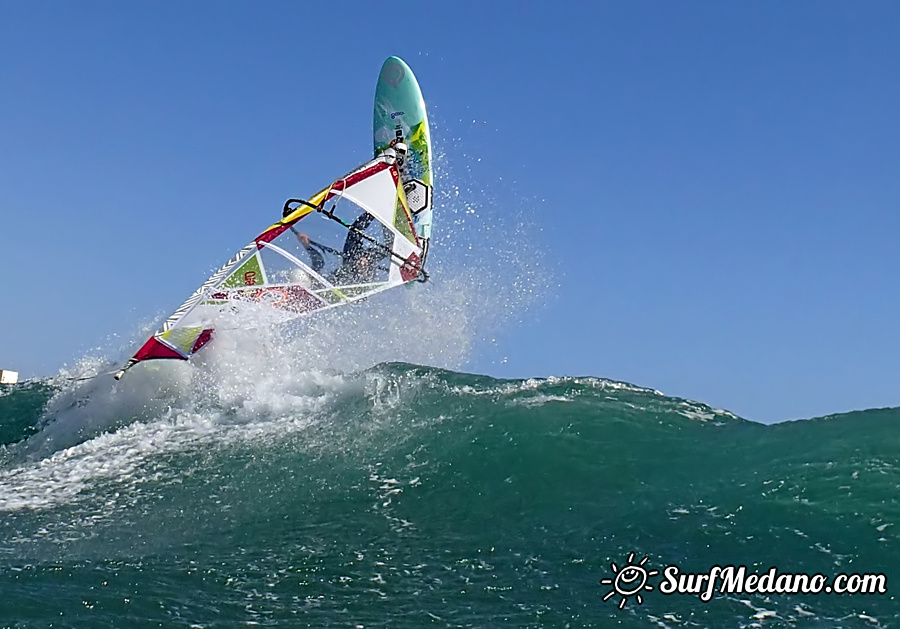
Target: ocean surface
(407, 496)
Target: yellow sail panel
(403, 219)
(182, 339)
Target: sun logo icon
(631, 580)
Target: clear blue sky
(716, 183)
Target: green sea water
(406, 496)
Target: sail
(353, 239)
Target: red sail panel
(154, 349)
(203, 339)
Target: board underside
(400, 117)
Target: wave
(406, 495)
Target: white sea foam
(540, 400)
(245, 412)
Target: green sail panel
(250, 273)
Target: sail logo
(633, 578)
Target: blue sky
(714, 184)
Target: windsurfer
(358, 262)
